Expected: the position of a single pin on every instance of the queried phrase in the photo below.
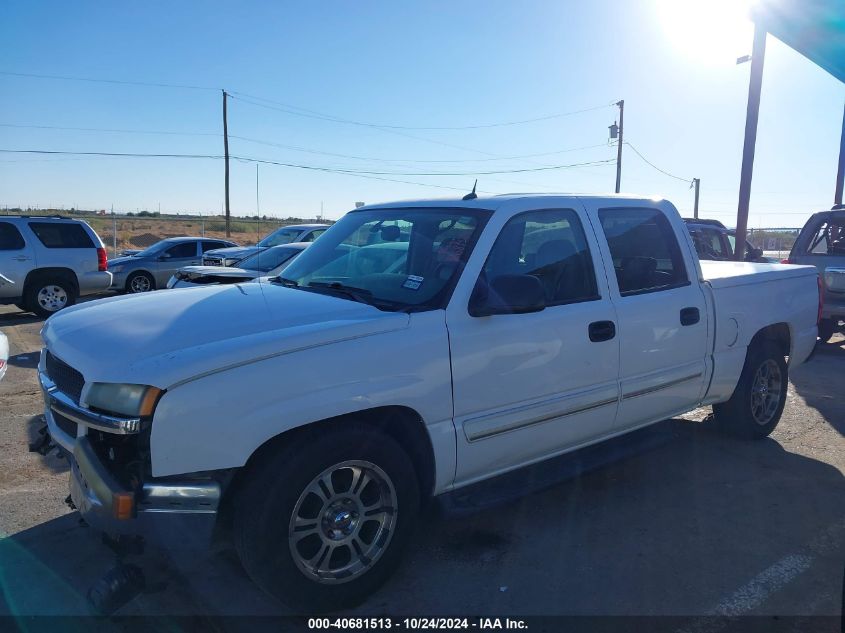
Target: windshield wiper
(361, 295)
(288, 283)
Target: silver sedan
(151, 268)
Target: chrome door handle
(22, 258)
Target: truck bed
(731, 274)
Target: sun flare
(711, 32)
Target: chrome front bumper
(179, 513)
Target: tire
(756, 405)
(826, 329)
(283, 492)
(139, 282)
(47, 296)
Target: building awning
(814, 28)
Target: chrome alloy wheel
(52, 298)
(140, 283)
(766, 392)
(343, 521)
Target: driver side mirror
(507, 294)
(163, 257)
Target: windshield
(395, 259)
(265, 261)
(280, 236)
(155, 248)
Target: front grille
(67, 379)
(67, 426)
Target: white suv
(50, 261)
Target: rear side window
(709, 244)
(645, 253)
(210, 246)
(829, 239)
(183, 250)
(10, 238)
(61, 235)
(551, 246)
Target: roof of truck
(494, 201)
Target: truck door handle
(22, 258)
(601, 331)
(690, 316)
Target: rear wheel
(756, 405)
(321, 523)
(140, 282)
(47, 296)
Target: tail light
(102, 260)
(821, 299)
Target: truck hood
(234, 252)
(197, 272)
(167, 337)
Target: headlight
(134, 400)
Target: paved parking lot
(673, 520)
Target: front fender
(218, 421)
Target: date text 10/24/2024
(422, 623)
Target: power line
(290, 109)
(101, 129)
(307, 167)
(299, 148)
(298, 111)
(148, 84)
(662, 171)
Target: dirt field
(673, 520)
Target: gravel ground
(672, 520)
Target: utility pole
(226, 160)
(114, 231)
(696, 182)
(257, 207)
(755, 85)
(621, 105)
(840, 174)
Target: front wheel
(140, 282)
(756, 405)
(321, 523)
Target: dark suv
(821, 243)
(714, 241)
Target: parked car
(714, 241)
(151, 268)
(284, 235)
(266, 263)
(4, 354)
(50, 262)
(821, 243)
(313, 415)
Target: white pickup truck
(416, 348)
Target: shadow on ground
(822, 383)
(668, 520)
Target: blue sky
(417, 64)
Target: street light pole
(755, 85)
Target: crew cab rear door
(529, 385)
(655, 288)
